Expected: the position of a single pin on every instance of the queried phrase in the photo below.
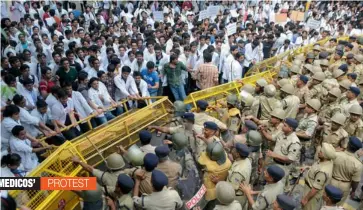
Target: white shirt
(7, 125)
(143, 89)
(80, 105)
(51, 100)
(253, 54)
(24, 149)
(59, 112)
(149, 56)
(29, 122)
(126, 88)
(136, 67)
(234, 72)
(94, 94)
(44, 118)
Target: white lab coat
(81, 106)
(226, 66)
(253, 54)
(149, 56)
(29, 122)
(7, 125)
(51, 100)
(24, 149)
(59, 112)
(136, 67)
(126, 88)
(234, 71)
(28, 97)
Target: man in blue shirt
(151, 77)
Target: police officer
(226, 197)
(329, 83)
(240, 172)
(201, 116)
(347, 168)
(188, 128)
(160, 197)
(92, 199)
(336, 60)
(344, 86)
(268, 103)
(332, 196)
(352, 95)
(358, 68)
(248, 88)
(316, 89)
(241, 138)
(318, 175)
(290, 102)
(254, 140)
(150, 163)
(260, 85)
(179, 110)
(287, 148)
(122, 194)
(310, 57)
(307, 126)
(209, 135)
(170, 168)
(295, 72)
(273, 174)
(114, 163)
(354, 125)
(270, 128)
(216, 165)
(189, 181)
(335, 134)
(145, 140)
(331, 107)
(246, 104)
(302, 89)
(259, 90)
(284, 202)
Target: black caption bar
(20, 183)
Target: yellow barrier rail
(93, 148)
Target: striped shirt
(206, 75)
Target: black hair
(126, 69)
(44, 70)
(17, 129)
(91, 81)
(41, 103)
(207, 56)
(111, 67)
(150, 64)
(10, 110)
(8, 79)
(10, 159)
(28, 81)
(100, 73)
(82, 75)
(136, 74)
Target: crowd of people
(62, 62)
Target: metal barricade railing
(93, 148)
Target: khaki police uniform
(318, 91)
(213, 168)
(268, 195)
(202, 146)
(125, 202)
(107, 178)
(338, 138)
(232, 206)
(290, 105)
(172, 170)
(267, 105)
(192, 140)
(354, 128)
(274, 131)
(358, 69)
(347, 168)
(317, 177)
(302, 93)
(290, 147)
(335, 65)
(165, 199)
(202, 117)
(145, 184)
(328, 74)
(240, 172)
(347, 104)
(327, 111)
(331, 83)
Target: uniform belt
(307, 183)
(340, 180)
(281, 163)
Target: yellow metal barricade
(92, 148)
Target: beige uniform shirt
(354, 128)
(308, 124)
(107, 178)
(331, 83)
(335, 65)
(202, 117)
(358, 69)
(145, 185)
(172, 170)
(274, 131)
(318, 91)
(240, 172)
(267, 105)
(291, 105)
(148, 149)
(347, 167)
(319, 175)
(302, 93)
(347, 104)
(235, 205)
(268, 195)
(192, 141)
(125, 202)
(288, 146)
(327, 111)
(163, 200)
(338, 138)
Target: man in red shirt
(46, 83)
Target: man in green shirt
(173, 71)
(66, 72)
